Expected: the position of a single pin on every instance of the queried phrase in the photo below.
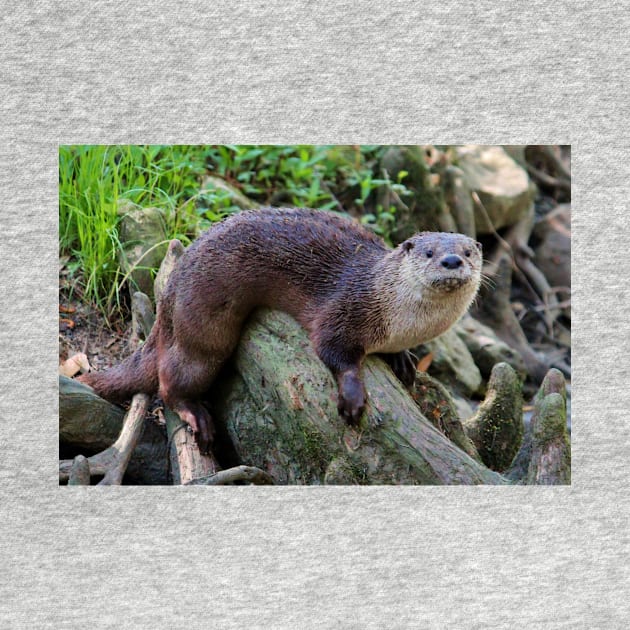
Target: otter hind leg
(184, 378)
(403, 364)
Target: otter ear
(479, 246)
(407, 245)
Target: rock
(453, 364)
(142, 233)
(552, 251)
(487, 349)
(236, 197)
(502, 185)
(497, 427)
(173, 254)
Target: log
(279, 408)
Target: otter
(354, 296)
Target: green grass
(94, 178)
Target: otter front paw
(352, 397)
(403, 365)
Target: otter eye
(429, 253)
(467, 253)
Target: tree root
(113, 461)
(251, 474)
(496, 429)
(545, 454)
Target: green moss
(551, 422)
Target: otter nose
(452, 261)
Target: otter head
(440, 263)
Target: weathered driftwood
(89, 424)
(173, 254)
(494, 309)
(142, 318)
(113, 461)
(79, 472)
(279, 408)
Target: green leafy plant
(94, 178)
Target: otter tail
(137, 373)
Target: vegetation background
(94, 180)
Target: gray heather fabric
(349, 72)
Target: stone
(487, 349)
(142, 233)
(453, 364)
(502, 185)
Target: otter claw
(200, 423)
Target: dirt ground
(82, 327)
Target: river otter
(353, 294)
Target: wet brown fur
(335, 277)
